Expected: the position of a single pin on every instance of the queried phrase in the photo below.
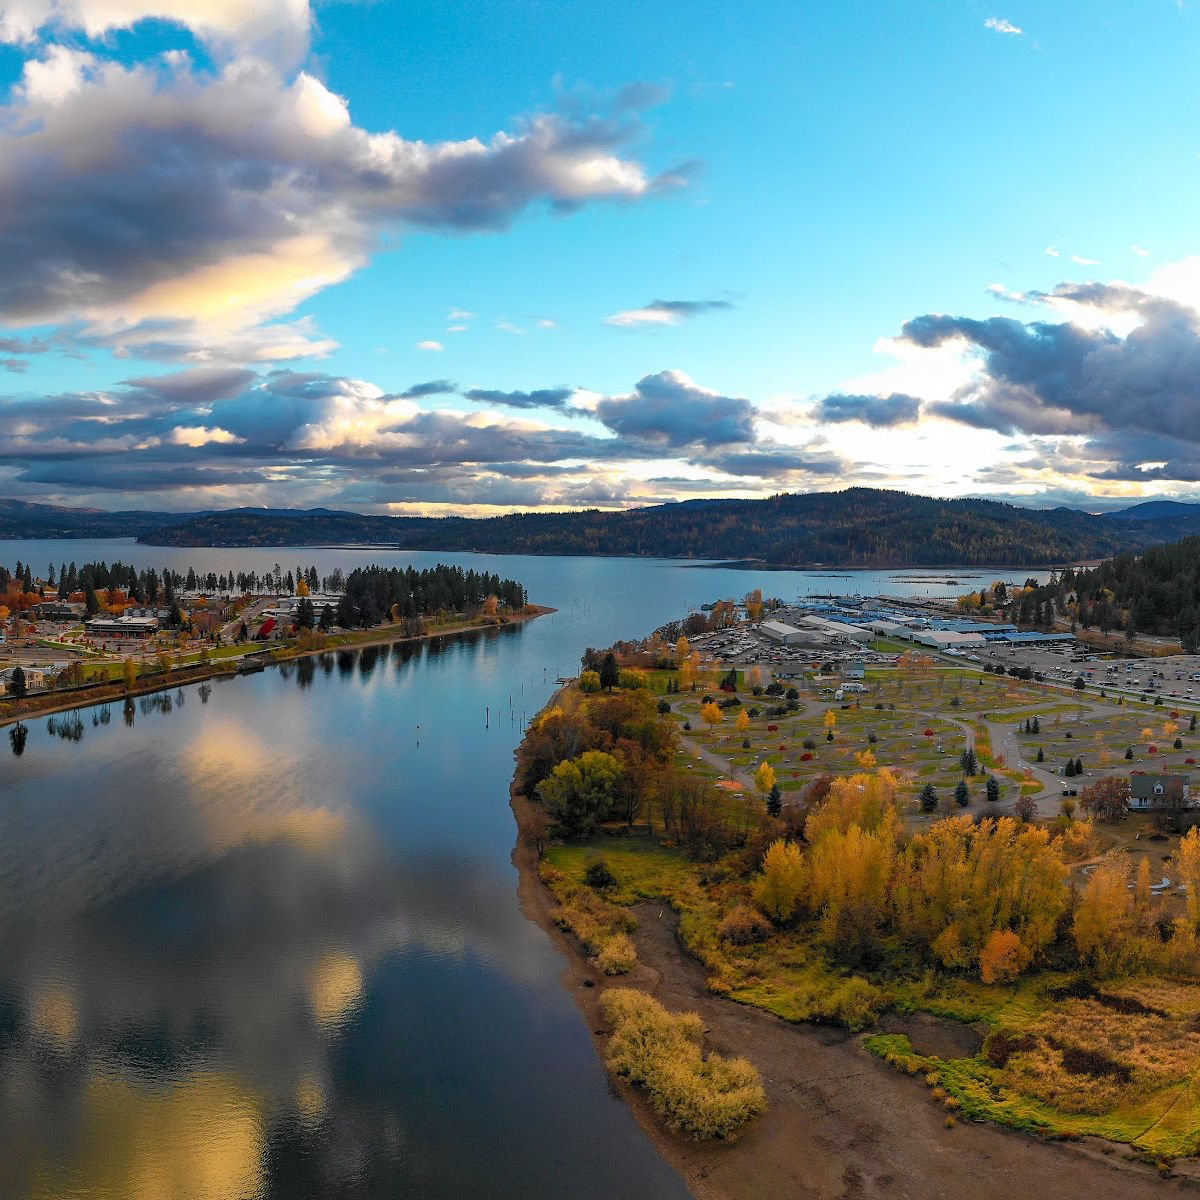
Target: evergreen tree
(962, 794)
(774, 801)
(610, 673)
(17, 685)
(929, 798)
(993, 789)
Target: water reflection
(265, 946)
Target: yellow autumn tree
(711, 714)
(958, 883)
(682, 650)
(1000, 960)
(1185, 865)
(743, 721)
(865, 759)
(780, 887)
(302, 588)
(130, 672)
(868, 801)
(1105, 921)
(830, 719)
(764, 778)
(850, 877)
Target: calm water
(262, 939)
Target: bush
(618, 956)
(598, 875)
(743, 925)
(661, 1052)
(809, 744)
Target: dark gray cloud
(671, 411)
(880, 412)
(186, 389)
(15, 366)
(1060, 378)
(433, 387)
(544, 398)
(774, 463)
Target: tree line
(863, 527)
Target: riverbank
(227, 668)
(841, 1123)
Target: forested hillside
(859, 527)
(1157, 592)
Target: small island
(986, 879)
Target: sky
(498, 255)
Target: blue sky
(643, 254)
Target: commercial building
(785, 635)
(948, 639)
(122, 627)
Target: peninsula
(906, 869)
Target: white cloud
(460, 314)
(1000, 25)
(1053, 251)
(509, 327)
(201, 435)
(1079, 260)
(633, 317)
(1140, 251)
(547, 323)
(205, 207)
(430, 345)
(276, 29)
(457, 328)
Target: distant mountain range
(858, 527)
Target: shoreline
(841, 1123)
(229, 668)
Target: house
(1149, 793)
(37, 679)
(854, 670)
(58, 610)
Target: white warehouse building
(785, 635)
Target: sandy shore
(842, 1125)
(227, 668)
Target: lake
(260, 938)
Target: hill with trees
(858, 527)
(1156, 592)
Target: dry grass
(662, 1052)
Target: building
(785, 635)
(947, 639)
(37, 679)
(122, 628)
(1150, 793)
(838, 629)
(58, 610)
